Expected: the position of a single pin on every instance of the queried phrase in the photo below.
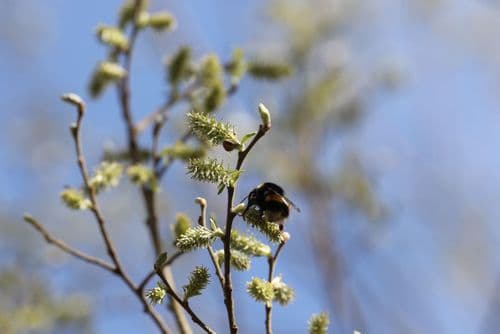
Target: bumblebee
(270, 200)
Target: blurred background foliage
(383, 135)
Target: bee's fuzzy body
(271, 201)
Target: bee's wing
(287, 199)
(292, 204)
(244, 198)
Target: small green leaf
(247, 137)
(160, 261)
(213, 223)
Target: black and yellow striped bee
(270, 200)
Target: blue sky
(430, 145)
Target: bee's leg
(244, 212)
(281, 226)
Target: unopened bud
(239, 209)
(74, 99)
(285, 236)
(161, 21)
(201, 201)
(142, 20)
(112, 71)
(265, 116)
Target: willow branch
(118, 270)
(148, 195)
(202, 221)
(183, 303)
(66, 248)
(269, 306)
(150, 275)
(149, 119)
(228, 286)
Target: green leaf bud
(270, 230)
(201, 202)
(75, 199)
(270, 71)
(111, 71)
(183, 152)
(239, 260)
(126, 13)
(179, 66)
(182, 224)
(207, 128)
(112, 36)
(143, 176)
(212, 171)
(157, 294)
(142, 20)
(107, 174)
(237, 66)
(105, 73)
(198, 280)
(261, 290)
(239, 209)
(248, 244)
(215, 97)
(211, 71)
(318, 324)
(161, 21)
(265, 116)
(73, 99)
(197, 237)
(283, 294)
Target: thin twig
(183, 303)
(202, 221)
(150, 275)
(148, 194)
(144, 123)
(228, 287)
(66, 248)
(149, 119)
(269, 306)
(119, 270)
(155, 143)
